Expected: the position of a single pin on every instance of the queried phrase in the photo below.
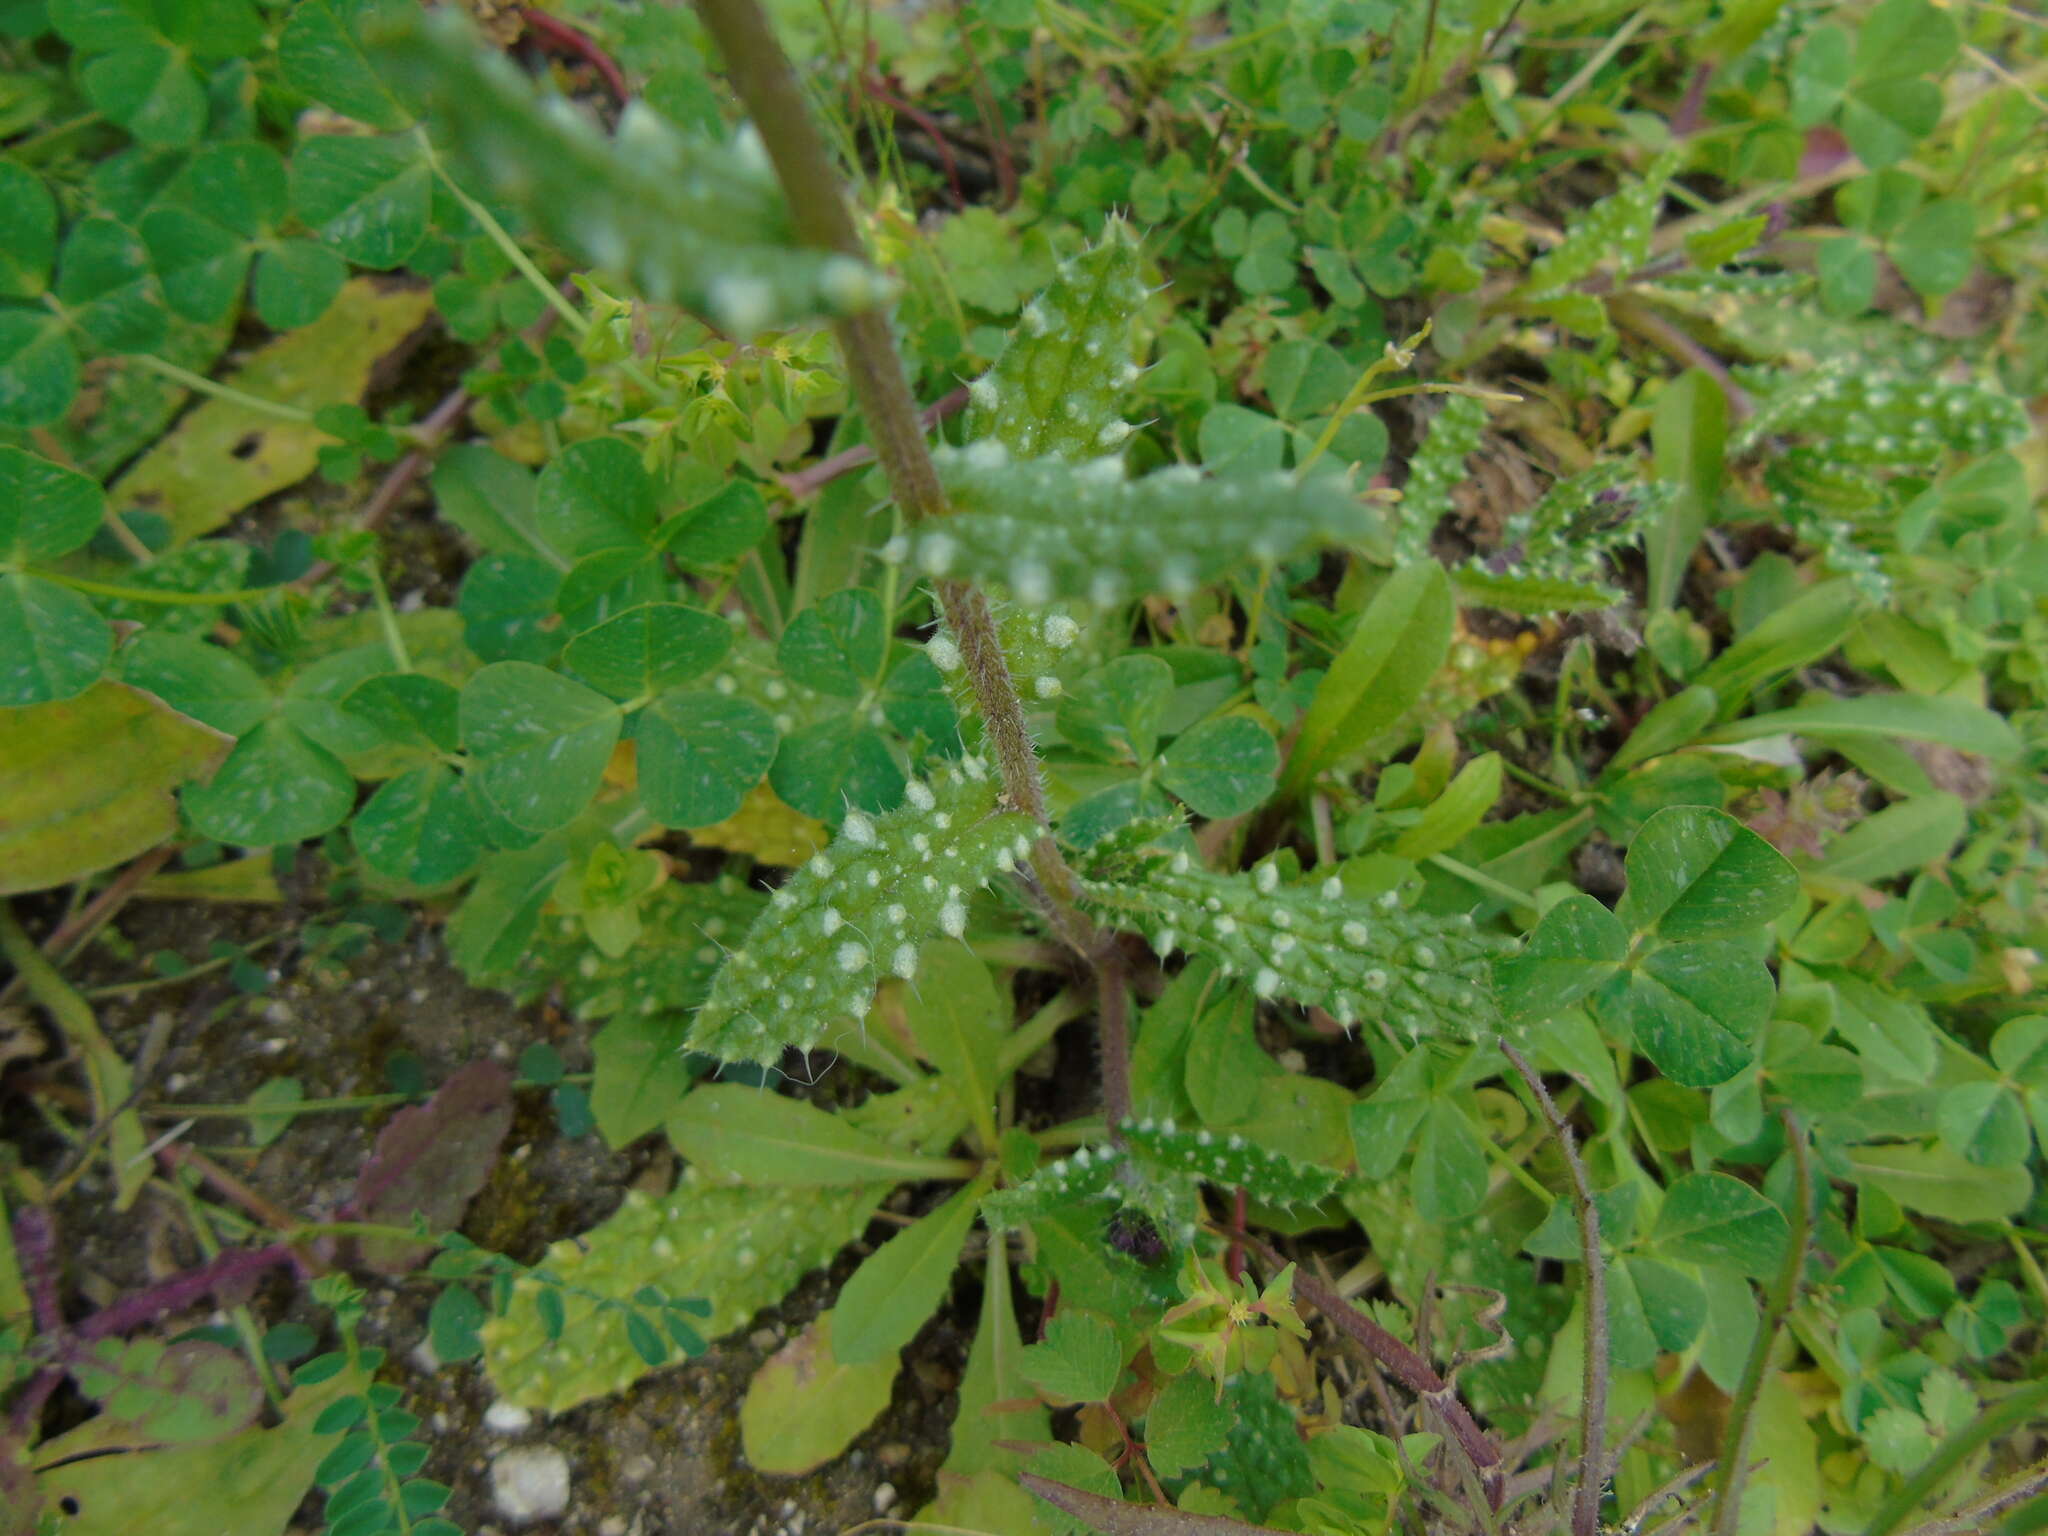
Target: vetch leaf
(1453, 814)
(958, 1021)
(1950, 722)
(1902, 837)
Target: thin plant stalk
(761, 75)
(1593, 1411)
(1735, 1445)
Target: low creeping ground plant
(1550, 874)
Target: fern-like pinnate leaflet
(1316, 945)
(691, 220)
(859, 911)
(1055, 388)
(1046, 529)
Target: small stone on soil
(508, 1418)
(530, 1483)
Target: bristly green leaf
(1056, 388)
(1552, 554)
(693, 221)
(1614, 232)
(1312, 945)
(1875, 417)
(1437, 465)
(1228, 1161)
(1091, 1174)
(702, 1239)
(857, 912)
(1048, 529)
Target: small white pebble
(530, 1482)
(503, 1418)
(885, 1497)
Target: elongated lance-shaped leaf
(1615, 233)
(1047, 529)
(1055, 389)
(858, 912)
(1874, 417)
(1437, 465)
(689, 219)
(1314, 945)
(1033, 641)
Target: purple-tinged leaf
(152, 1393)
(431, 1160)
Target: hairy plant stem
(1593, 1412)
(1399, 1361)
(768, 88)
(1734, 1468)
